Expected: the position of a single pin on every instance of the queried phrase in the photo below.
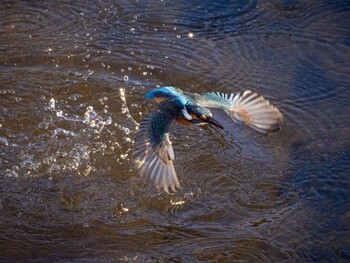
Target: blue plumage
(167, 93)
(153, 154)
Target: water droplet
(177, 202)
(4, 141)
(144, 73)
(120, 209)
(60, 131)
(75, 96)
(54, 168)
(108, 121)
(52, 103)
(190, 35)
(11, 173)
(44, 125)
(126, 130)
(126, 78)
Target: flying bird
(153, 154)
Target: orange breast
(183, 121)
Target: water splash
(125, 108)
(4, 141)
(52, 103)
(60, 131)
(95, 121)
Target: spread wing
(153, 154)
(247, 107)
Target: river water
(73, 75)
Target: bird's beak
(210, 120)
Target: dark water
(68, 190)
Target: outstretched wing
(153, 154)
(247, 107)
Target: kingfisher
(153, 154)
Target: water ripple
(73, 79)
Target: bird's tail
(255, 111)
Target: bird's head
(199, 115)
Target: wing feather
(247, 107)
(153, 154)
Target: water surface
(73, 76)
